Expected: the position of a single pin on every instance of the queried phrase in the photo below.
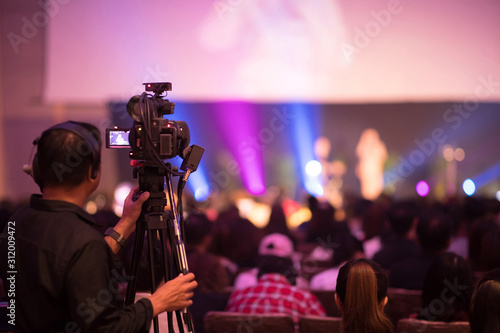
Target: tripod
(164, 225)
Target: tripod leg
(151, 257)
(184, 314)
(166, 271)
(136, 257)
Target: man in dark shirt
(66, 274)
(402, 219)
(434, 230)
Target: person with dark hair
(198, 232)
(211, 293)
(275, 292)
(236, 238)
(322, 224)
(447, 290)
(373, 220)
(485, 304)
(490, 250)
(211, 274)
(321, 230)
(361, 295)
(402, 219)
(277, 222)
(479, 253)
(434, 231)
(67, 273)
(347, 247)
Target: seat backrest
(221, 321)
(318, 324)
(327, 299)
(402, 303)
(418, 326)
(310, 267)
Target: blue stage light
(469, 187)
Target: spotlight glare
(314, 188)
(122, 191)
(448, 153)
(91, 207)
(120, 194)
(256, 188)
(313, 168)
(497, 195)
(201, 193)
(422, 188)
(459, 154)
(469, 187)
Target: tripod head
(151, 179)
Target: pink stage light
(238, 124)
(422, 188)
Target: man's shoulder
(64, 221)
(59, 232)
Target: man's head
(434, 231)
(67, 155)
(198, 231)
(275, 256)
(402, 216)
(269, 264)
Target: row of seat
(402, 303)
(219, 322)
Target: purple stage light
(238, 124)
(422, 188)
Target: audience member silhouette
(490, 250)
(373, 226)
(211, 293)
(402, 217)
(485, 304)
(277, 222)
(361, 294)
(197, 233)
(347, 247)
(322, 227)
(213, 279)
(447, 290)
(477, 231)
(236, 238)
(434, 230)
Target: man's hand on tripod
(131, 212)
(174, 295)
(132, 208)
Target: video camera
(152, 137)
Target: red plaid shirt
(274, 294)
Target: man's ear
(93, 179)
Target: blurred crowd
(419, 245)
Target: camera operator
(67, 274)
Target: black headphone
(85, 134)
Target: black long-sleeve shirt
(66, 276)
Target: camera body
(151, 135)
(168, 139)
